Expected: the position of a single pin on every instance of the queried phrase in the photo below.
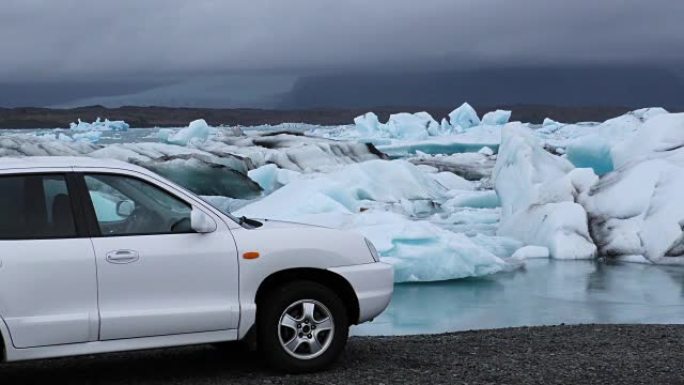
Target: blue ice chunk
(591, 151)
(367, 124)
(464, 116)
(496, 118)
(198, 130)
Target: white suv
(101, 256)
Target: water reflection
(545, 292)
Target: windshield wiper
(249, 222)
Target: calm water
(545, 292)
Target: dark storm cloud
(62, 39)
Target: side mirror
(125, 208)
(201, 222)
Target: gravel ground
(589, 354)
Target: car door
(48, 290)
(155, 275)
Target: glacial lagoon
(544, 292)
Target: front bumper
(373, 284)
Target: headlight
(373, 251)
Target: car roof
(29, 162)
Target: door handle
(122, 256)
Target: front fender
(284, 249)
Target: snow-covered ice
(538, 192)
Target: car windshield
(219, 208)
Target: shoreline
(605, 354)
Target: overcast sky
(44, 40)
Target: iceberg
(470, 165)
(496, 118)
(367, 124)
(529, 252)
(464, 117)
(548, 122)
(297, 153)
(636, 211)
(270, 177)
(348, 190)
(383, 200)
(608, 145)
(451, 181)
(471, 141)
(593, 151)
(99, 125)
(538, 194)
(197, 131)
(422, 251)
(404, 126)
(476, 199)
(661, 135)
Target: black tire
(269, 313)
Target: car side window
(129, 206)
(35, 207)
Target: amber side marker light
(250, 255)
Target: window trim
(89, 207)
(79, 230)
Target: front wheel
(302, 327)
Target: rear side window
(35, 207)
